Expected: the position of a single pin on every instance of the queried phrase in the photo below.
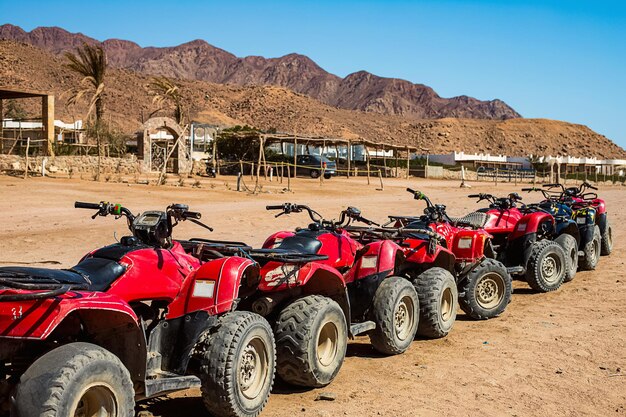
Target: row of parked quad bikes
(151, 315)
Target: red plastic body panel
(458, 239)
(36, 319)
(154, 274)
(379, 257)
(275, 239)
(340, 249)
(502, 221)
(529, 223)
(273, 275)
(226, 273)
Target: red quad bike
(483, 283)
(530, 241)
(578, 197)
(430, 267)
(133, 320)
(319, 287)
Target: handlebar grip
(592, 187)
(528, 189)
(91, 206)
(274, 207)
(551, 185)
(193, 215)
(412, 191)
(474, 196)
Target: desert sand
(556, 354)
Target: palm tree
(164, 90)
(89, 61)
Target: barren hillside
(198, 60)
(266, 107)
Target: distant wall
(77, 164)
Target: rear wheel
(396, 314)
(311, 341)
(327, 176)
(545, 269)
(438, 302)
(314, 173)
(76, 380)
(591, 251)
(486, 290)
(607, 240)
(570, 247)
(237, 366)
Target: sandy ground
(562, 353)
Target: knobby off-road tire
(237, 367)
(311, 341)
(486, 290)
(592, 250)
(76, 379)
(607, 239)
(396, 314)
(570, 247)
(545, 270)
(438, 302)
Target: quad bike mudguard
(214, 287)
(530, 224)
(601, 221)
(377, 261)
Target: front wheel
(77, 379)
(438, 300)
(237, 365)
(396, 314)
(486, 291)
(570, 247)
(311, 341)
(592, 250)
(545, 269)
(607, 240)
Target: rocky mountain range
(128, 103)
(198, 60)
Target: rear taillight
(324, 164)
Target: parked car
(314, 165)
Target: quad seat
(97, 273)
(475, 220)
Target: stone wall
(73, 164)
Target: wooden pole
(252, 172)
(288, 179)
(380, 176)
(408, 162)
(27, 149)
(348, 157)
(258, 168)
(241, 166)
(295, 156)
(367, 161)
(395, 151)
(384, 161)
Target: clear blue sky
(563, 60)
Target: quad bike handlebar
(498, 202)
(436, 212)
(347, 215)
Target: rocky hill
(268, 107)
(198, 60)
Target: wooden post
(495, 179)
(408, 162)
(322, 169)
(27, 149)
(295, 156)
(214, 156)
(348, 157)
(384, 161)
(395, 151)
(258, 168)
(241, 166)
(282, 171)
(380, 176)
(288, 179)
(367, 161)
(252, 171)
(551, 172)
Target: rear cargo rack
(43, 288)
(284, 256)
